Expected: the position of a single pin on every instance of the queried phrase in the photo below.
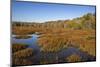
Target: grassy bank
(81, 39)
(21, 54)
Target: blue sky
(41, 12)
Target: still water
(58, 57)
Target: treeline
(87, 21)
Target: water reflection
(57, 57)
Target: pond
(57, 57)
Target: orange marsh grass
(76, 38)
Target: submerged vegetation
(55, 36)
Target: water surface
(57, 57)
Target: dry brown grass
(73, 58)
(21, 54)
(16, 47)
(75, 38)
(22, 37)
(19, 62)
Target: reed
(72, 38)
(16, 47)
(23, 53)
(73, 58)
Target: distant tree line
(87, 21)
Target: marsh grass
(73, 58)
(55, 36)
(71, 38)
(21, 54)
(19, 62)
(16, 47)
(22, 36)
